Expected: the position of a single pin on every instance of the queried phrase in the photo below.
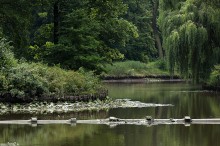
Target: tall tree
(155, 7)
(191, 31)
(15, 21)
(88, 33)
(143, 47)
(56, 14)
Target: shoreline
(142, 79)
(100, 95)
(65, 107)
(211, 88)
(164, 77)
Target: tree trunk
(56, 22)
(155, 4)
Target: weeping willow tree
(191, 32)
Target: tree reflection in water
(187, 100)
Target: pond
(187, 100)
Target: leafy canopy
(190, 31)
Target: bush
(23, 79)
(214, 79)
(7, 59)
(3, 82)
(27, 80)
(35, 80)
(159, 64)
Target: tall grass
(136, 68)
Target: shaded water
(187, 100)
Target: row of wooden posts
(149, 121)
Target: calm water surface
(187, 100)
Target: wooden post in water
(187, 119)
(33, 120)
(148, 121)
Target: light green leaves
(196, 24)
(7, 59)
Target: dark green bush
(214, 79)
(23, 79)
(160, 64)
(7, 59)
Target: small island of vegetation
(21, 81)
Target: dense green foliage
(22, 79)
(76, 33)
(136, 69)
(15, 17)
(143, 47)
(91, 33)
(191, 31)
(214, 79)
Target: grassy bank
(136, 69)
(22, 80)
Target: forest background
(108, 37)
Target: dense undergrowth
(136, 68)
(214, 79)
(23, 79)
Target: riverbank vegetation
(158, 37)
(136, 69)
(30, 81)
(214, 80)
(191, 31)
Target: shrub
(3, 82)
(23, 79)
(35, 80)
(27, 79)
(214, 79)
(159, 64)
(7, 59)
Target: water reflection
(194, 104)
(123, 135)
(101, 114)
(187, 100)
